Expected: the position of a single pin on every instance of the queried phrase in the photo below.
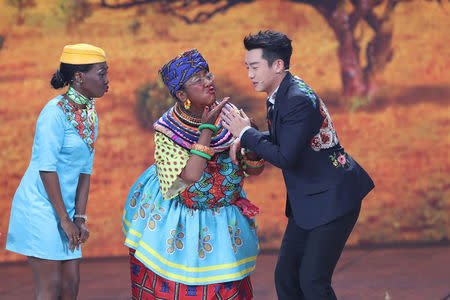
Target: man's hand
(234, 148)
(234, 120)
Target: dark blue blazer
(322, 181)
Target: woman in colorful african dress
(187, 221)
(48, 217)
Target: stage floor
(407, 273)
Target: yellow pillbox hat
(82, 54)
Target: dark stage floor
(408, 273)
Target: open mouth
(212, 90)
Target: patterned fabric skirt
(146, 285)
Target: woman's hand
(84, 232)
(73, 233)
(210, 116)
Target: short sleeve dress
(64, 143)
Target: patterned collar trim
(83, 120)
(78, 98)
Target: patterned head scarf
(178, 70)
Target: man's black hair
(275, 45)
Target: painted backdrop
(399, 133)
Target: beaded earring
(187, 104)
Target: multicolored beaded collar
(185, 132)
(83, 120)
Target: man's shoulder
(298, 90)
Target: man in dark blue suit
(324, 184)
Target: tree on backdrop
(72, 12)
(21, 6)
(152, 100)
(343, 17)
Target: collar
(78, 98)
(272, 97)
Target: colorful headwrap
(178, 70)
(82, 54)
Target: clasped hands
(235, 120)
(76, 232)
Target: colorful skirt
(146, 285)
(189, 246)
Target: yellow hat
(82, 54)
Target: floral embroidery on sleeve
(327, 137)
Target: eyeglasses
(197, 79)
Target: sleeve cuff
(243, 131)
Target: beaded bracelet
(204, 155)
(204, 149)
(80, 217)
(208, 126)
(254, 163)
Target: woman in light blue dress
(47, 222)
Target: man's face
(260, 73)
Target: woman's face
(95, 81)
(200, 89)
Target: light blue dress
(34, 226)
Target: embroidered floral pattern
(204, 244)
(215, 211)
(82, 119)
(339, 160)
(327, 137)
(136, 195)
(155, 216)
(306, 90)
(176, 241)
(234, 231)
(144, 205)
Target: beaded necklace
(185, 134)
(189, 119)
